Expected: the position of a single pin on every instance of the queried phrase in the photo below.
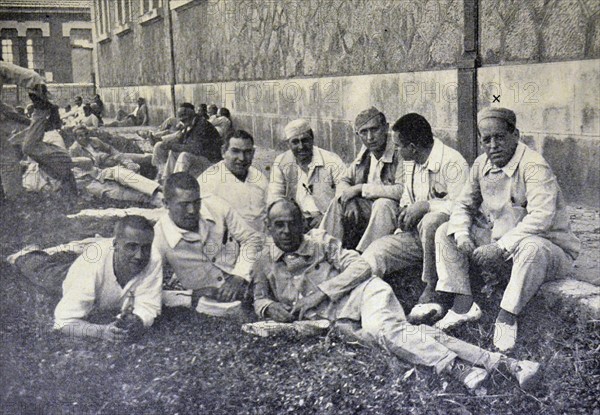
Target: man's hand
(232, 288)
(465, 245)
(414, 214)
(110, 332)
(350, 193)
(306, 303)
(352, 212)
(401, 216)
(488, 255)
(278, 312)
(132, 325)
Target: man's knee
(432, 221)
(532, 250)
(384, 205)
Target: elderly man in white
(236, 181)
(305, 173)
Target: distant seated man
(195, 147)
(125, 276)
(312, 277)
(73, 117)
(89, 119)
(305, 173)
(102, 171)
(206, 242)
(139, 116)
(434, 175)
(222, 122)
(168, 126)
(236, 181)
(366, 203)
(211, 111)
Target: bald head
(285, 224)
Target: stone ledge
(570, 295)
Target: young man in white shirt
(236, 181)
(110, 275)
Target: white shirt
(304, 190)
(91, 283)
(248, 198)
(375, 170)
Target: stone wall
(538, 30)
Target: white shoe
(176, 298)
(453, 319)
(470, 376)
(421, 311)
(505, 336)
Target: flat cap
(296, 128)
(365, 116)
(498, 112)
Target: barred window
(103, 17)
(123, 11)
(149, 5)
(8, 54)
(35, 54)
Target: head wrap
(497, 112)
(296, 128)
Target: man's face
(82, 137)
(238, 157)
(185, 115)
(302, 147)
(78, 101)
(374, 134)
(184, 208)
(132, 251)
(497, 142)
(140, 101)
(407, 150)
(286, 225)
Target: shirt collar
(511, 166)
(305, 249)
(434, 161)
(388, 154)
(174, 234)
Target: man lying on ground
(125, 276)
(102, 171)
(312, 277)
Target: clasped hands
(129, 328)
(486, 255)
(410, 216)
(233, 288)
(280, 312)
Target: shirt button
(219, 279)
(317, 266)
(213, 259)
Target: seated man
(510, 216)
(312, 277)
(305, 173)
(138, 117)
(125, 273)
(208, 245)
(73, 117)
(169, 126)
(89, 119)
(366, 203)
(222, 122)
(236, 181)
(434, 175)
(195, 147)
(103, 171)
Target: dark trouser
(46, 271)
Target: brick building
(272, 61)
(53, 37)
